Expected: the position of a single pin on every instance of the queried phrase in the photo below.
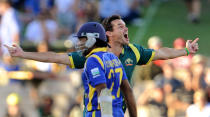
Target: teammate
(129, 54)
(103, 70)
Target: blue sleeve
(95, 72)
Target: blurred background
(166, 88)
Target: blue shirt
(130, 56)
(102, 67)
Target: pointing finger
(7, 46)
(195, 41)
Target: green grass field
(170, 21)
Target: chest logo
(128, 62)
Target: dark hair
(100, 43)
(107, 22)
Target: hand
(192, 46)
(15, 50)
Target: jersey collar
(97, 50)
(123, 50)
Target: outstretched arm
(51, 57)
(129, 98)
(169, 53)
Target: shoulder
(95, 59)
(138, 48)
(133, 48)
(131, 45)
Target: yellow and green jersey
(131, 56)
(103, 67)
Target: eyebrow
(120, 24)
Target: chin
(126, 42)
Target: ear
(108, 33)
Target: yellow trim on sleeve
(136, 51)
(151, 58)
(94, 114)
(91, 94)
(71, 62)
(99, 60)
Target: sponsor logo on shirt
(128, 62)
(112, 63)
(95, 72)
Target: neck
(116, 48)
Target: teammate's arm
(51, 57)
(169, 53)
(129, 98)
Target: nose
(126, 28)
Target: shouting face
(120, 32)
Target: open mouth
(126, 36)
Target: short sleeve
(77, 60)
(94, 71)
(146, 55)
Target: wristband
(187, 51)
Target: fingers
(8, 47)
(196, 46)
(189, 41)
(195, 41)
(14, 45)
